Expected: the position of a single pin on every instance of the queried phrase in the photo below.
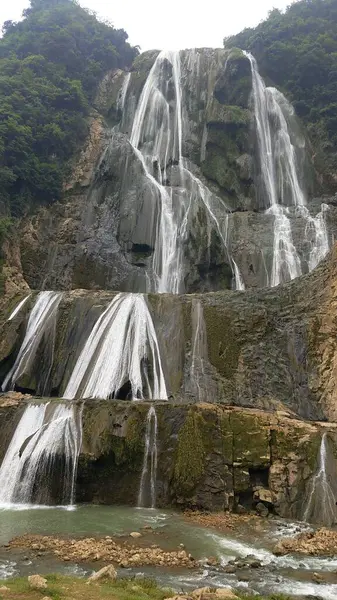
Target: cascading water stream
(121, 348)
(321, 496)
(157, 138)
(199, 352)
(44, 450)
(281, 185)
(147, 487)
(47, 439)
(41, 321)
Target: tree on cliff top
(50, 65)
(297, 51)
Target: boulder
(108, 572)
(37, 582)
(135, 534)
(223, 593)
(263, 495)
(262, 509)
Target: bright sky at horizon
(175, 25)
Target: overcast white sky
(174, 24)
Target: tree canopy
(50, 65)
(297, 51)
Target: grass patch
(61, 587)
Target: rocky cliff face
(101, 236)
(242, 369)
(268, 348)
(208, 457)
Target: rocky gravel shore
(223, 521)
(314, 543)
(107, 549)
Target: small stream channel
(286, 574)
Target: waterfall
(41, 322)
(121, 352)
(18, 308)
(316, 228)
(47, 439)
(321, 497)
(199, 352)
(281, 185)
(157, 138)
(147, 487)
(44, 450)
(123, 92)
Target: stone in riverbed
(108, 572)
(207, 593)
(135, 534)
(230, 569)
(37, 582)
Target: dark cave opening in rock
(259, 477)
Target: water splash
(147, 487)
(41, 322)
(18, 308)
(122, 349)
(321, 497)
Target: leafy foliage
(297, 50)
(50, 66)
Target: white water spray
(147, 487)
(121, 348)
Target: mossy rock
(251, 445)
(224, 345)
(145, 61)
(227, 114)
(190, 454)
(217, 168)
(234, 84)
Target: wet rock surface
(315, 543)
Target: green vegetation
(50, 66)
(297, 51)
(61, 587)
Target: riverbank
(322, 542)
(76, 542)
(71, 588)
